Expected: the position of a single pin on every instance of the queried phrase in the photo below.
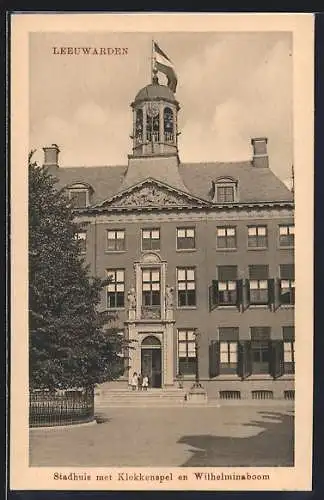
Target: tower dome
(155, 91)
(155, 110)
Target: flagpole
(152, 56)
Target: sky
(231, 87)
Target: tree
(71, 343)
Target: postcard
(160, 164)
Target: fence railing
(60, 408)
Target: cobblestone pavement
(204, 436)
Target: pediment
(153, 194)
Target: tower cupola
(155, 110)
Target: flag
(165, 65)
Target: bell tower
(155, 131)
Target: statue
(131, 297)
(169, 296)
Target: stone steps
(151, 397)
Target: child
(140, 381)
(145, 382)
(134, 381)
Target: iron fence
(68, 407)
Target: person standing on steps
(140, 382)
(145, 383)
(134, 381)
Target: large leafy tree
(71, 343)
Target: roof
(155, 91)
(254, 184)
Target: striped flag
(165, 65)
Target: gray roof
(254, 184)
(155, 91)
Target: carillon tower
(155, 110)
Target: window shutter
(214, 358)
(214, 295)
(246, 294)
(287, 271)
(271, 293)
(244, 359)
(227, 273)
(276, 358)
(239, 294)
(276, 293)
(258, 272)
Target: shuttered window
(228, 337)
(258, 284)
(289, 348)
(260, 345)
(287, 284)
(227, 293)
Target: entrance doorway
(151, 360)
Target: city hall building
(200, 257)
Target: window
(257, 237)
(187, 360)
(225, 194)
(78, 198)
(260, 339)
(81, 237)
(116, 288)
(186, 286)
(289, 348)
(258, 284)
(287, 235)
(139, 126)
(224, 190)
(228, 337)
(287, 284)
(151, 287)
(185, 238)
(226, 237)
(227, 294)
(115, 240)
(150, 239)
(168, 125)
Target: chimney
(260, 153)
(51, 157)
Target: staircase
(111, 397)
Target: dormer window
(79, 195)
(225, 190)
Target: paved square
(205, 436)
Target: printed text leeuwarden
(90, 51)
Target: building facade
(200, 257)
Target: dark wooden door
(151, 365)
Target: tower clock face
(153, 109)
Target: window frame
(115, 283)
(185, 229)
(226, 238)
(85, 190)
(187, 341)
(186, 290)
(288, 227)
(114, 250)
(150, 230)
(151, 282)
(257, 227)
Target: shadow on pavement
(272, 447)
